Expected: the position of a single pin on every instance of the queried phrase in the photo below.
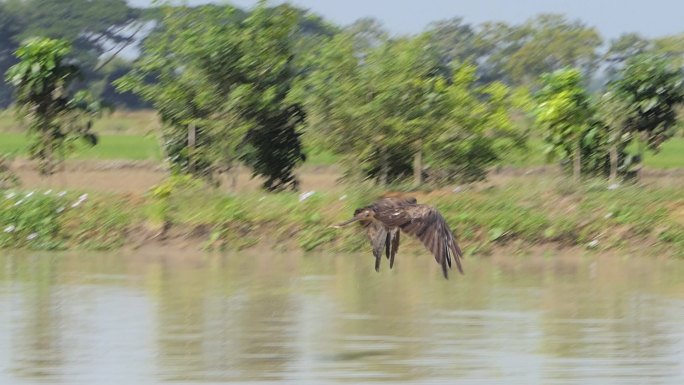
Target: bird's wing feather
(428, 225)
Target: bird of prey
(387, 217)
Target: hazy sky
(649, 17)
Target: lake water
(142, 318)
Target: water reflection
(332, 319)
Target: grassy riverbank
(525, 212)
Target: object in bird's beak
(346, 223)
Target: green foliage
(56, 116)
(652, 86)
(372, 111)
(229, 77)
(30, 219)
(379, 112)
(47, 220)
(520, 54)
(564, 113)
(92, 26)
(476, 128)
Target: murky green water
(318, 319)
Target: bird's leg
(395, 246)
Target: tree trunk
(418, 165)
(613, 163)
(577, 162)
(192, 137)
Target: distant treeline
(514, 54)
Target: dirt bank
(136, 177)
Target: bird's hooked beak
(346, 223)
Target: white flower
(61, 194)
(29, 194)
(48, 192)
(593, 243)
(32, 236)
(10, 195)
(80, 200)
(343, 197)
(20, 201)
(10, 228)
(306, 195)
(59, 210)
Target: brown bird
(387, 217)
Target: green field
(130, 147)
(146, 147)
(671, 155)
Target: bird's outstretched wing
(428, 225)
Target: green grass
(671, 155)
(145, 147)
(130, 135)
(533, 210)
(130, 147)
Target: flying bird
(387, 217)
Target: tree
(391, 109)
(614, 113)
(454, 41)
(95, 28)
(564, 114)
(476, 128)
(652, 87)
(548, 42)
(225, 78)
(373, 103)
(55, 116)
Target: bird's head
(363, 213)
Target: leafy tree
(671, 46)
(454, 41)
(476, 128)
(614, 113)
(621, 49)
(44, 98)
(373, 104)
(652, 87)
(389, 109)
(226, 78)
(548, 42)
(564, 113)
(95, 28)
